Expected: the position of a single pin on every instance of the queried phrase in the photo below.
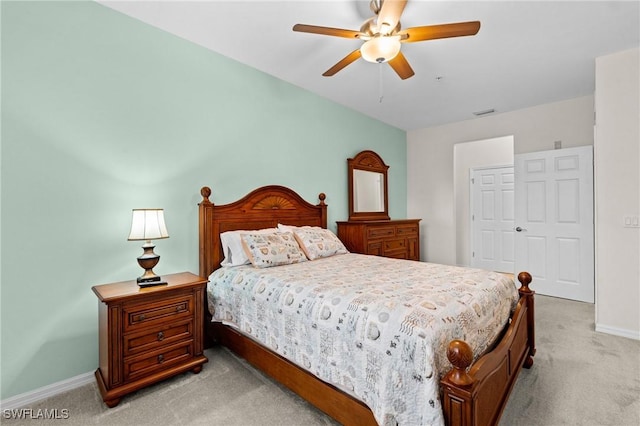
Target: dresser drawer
(380, 232)
(392, 245)
(397, 254)
(149, 362)
(375, 248)
(407, 230)
(146, 315)
(150, 339)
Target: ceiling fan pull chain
(380, 91)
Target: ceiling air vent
(485, 112)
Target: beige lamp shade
(148, 224)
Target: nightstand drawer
(146, 315)
(149, 363)
(153, 338)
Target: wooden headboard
(264, 207)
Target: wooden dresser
(389, 238)
(148, 334)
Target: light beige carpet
(579, 377)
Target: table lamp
(147, 225)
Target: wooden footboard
(478, 394)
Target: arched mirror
(368, 198)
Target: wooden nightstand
(148, 334)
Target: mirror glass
(368, 191)
(368, 187)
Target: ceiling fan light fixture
(380, 48)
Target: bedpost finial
(525, 280)
(460, 356)
(322, 197)
(205, 191)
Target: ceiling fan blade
(336, 32)
(390, 12)
(434, 32)
(351, 57)
(401, 66)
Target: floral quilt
(375, 327)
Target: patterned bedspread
(374, 327)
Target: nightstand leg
(112, 402)
(197, 369)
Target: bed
(473, 392)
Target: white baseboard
(44, 392)
(629, 334)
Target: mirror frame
(371, 162)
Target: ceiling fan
(382, 36)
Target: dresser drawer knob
(160, 336)
(141, 317)
(160, 359)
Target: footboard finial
(460, 356)
(525, 280)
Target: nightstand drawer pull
(141, 317)
(160, 359)
(160, 336)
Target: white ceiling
(525, 54)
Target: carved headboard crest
(273, 202)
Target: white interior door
(492, 219)
(554, 221)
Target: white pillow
(292, 228)
(234, 254)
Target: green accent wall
(102, 114)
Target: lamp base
(148, 277)
(147, 261)
(151, 283)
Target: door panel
(492, 197)
(554, 212)
(508, 246)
